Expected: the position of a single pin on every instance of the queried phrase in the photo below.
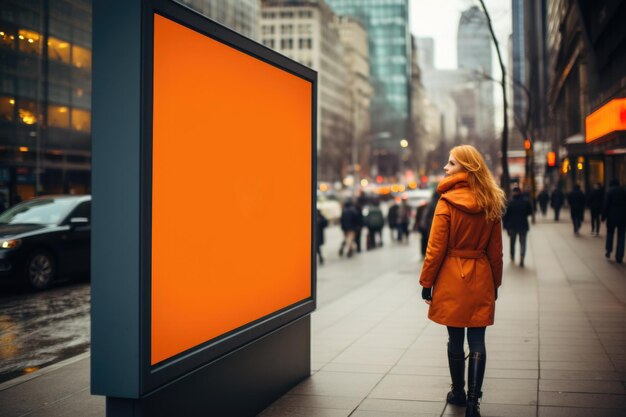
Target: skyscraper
(519, 71)
(308, 31)
(45, 98)
(387, 22)
(474, 54)
(242, 16)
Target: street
(40, 329)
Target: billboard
(222, 258)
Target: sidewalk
(557, 349)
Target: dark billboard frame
(128, 372)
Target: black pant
(475, 338)
(557, 210)
(425, 237)
(372, 240)
(576, 221)
(610, 231)
(522, 242)
(595, 222)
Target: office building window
(269, 43)
(268, 29)
(286, 15)
(58, 50)
(7, 104)
(81, 57)
(305, 14)
(305, 29)
(58, 116)
(286, 29)
(7, 38)
(81, 120)
(27, 112)
(29, 41)
(306, 43)
(286, 43)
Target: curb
(25, 378)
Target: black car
(44, 239)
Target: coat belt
(466, 253)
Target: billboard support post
(201, 301)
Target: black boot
(456, 362)
(475, 377)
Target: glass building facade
(387, 24)
(45, 97)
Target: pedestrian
(426, 221)
(576, 201)
(516, 223)
(348, 222)
(463, 267)
(614, 212)
(594, 202)
(360, 222)
(374, 220)
(543, 198)
(392, 218)
(556, 202)
(402, 222)
(322, 223)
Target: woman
(463, 267)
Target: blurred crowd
(362, 221)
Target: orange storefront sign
(607, 119)
(221, 260)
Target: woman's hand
(427, 295)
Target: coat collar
(448, 183)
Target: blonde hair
(489, 195)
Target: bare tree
(505, 180)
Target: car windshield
(39, 211)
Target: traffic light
(527, 144)
(551, 160)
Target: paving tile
(317, 401)
(600, 387)
(496, 384)
(343, 384)
(303, 412)
(579, 412)
(512, 373)
(369, 355)
(578, 365)
(579, 375)
(511, 364)
(503, 396)
(402, 369)
(582, 400)
(401, 406)
(357, 367)
(366, 413)
(507, 410)
(410, 387)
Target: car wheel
(40, 270)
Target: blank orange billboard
(231, 189)
(607, 119)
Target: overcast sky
(439, 19)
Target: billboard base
(242, 383)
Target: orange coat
(463, 259)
